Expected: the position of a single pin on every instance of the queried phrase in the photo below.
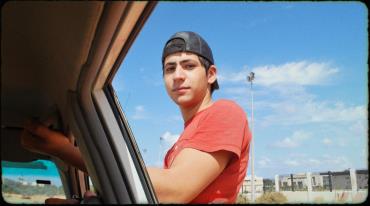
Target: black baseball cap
(188, 41)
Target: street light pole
(250, 79)
(160, 149)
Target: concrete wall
(336, 196)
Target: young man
(208, 162)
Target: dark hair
(206, 64)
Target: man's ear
(212, 74)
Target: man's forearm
(166, 186)
(71, 155)
(157, 176)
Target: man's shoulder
(226, 103)
(229, 105)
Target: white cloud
(314, 162)
(291, 163)
(169, 139)
(342, 142)
(292, 73)
(293, 141)
(166, 142)
(300, 112)
(237, 90)
(323, 163)
(175, 118)
(327, 141)
(298, 73)
(335, 161)
(233, 77)
(140, 113)
(288, 102)
(360, 127)
(264, 162)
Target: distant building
(317, 181)
(268, 185)
(341, 180)
(338, 180)
(299, 181)
(247, 185)
(362, 179)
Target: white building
(247, 185)
(317, 180)
(300, 181)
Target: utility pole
(160, 149)
(250, 79)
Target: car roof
(44, 46)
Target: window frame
(96, 119)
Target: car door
(63, 55)
(101, 130)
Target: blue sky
(31, 175)
(310, 89)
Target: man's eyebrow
(186, 61)
(181, 62)
(170, 64)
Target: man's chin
(183, 101)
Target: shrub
(242, 199)
(272, 197)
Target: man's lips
(180, 89)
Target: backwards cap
(187, 41)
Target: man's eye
(169, 69)
(189, 66)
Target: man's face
(185, 79)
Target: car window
(30, 182)
(139, 87)
(304, 95)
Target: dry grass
(35, 199)
(272, 198)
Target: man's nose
(179, 73)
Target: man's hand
(60, 201)
(38, 138)
(87, 195)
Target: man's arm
(190, 173)
(38, 138)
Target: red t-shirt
(222, 126)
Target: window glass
(30, 182)
(91, 186)
(309, 93)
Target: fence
(348, 186)
(347, 180)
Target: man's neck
(189, 112)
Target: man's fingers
(61, 201)
(89, 194)
(38, 129)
